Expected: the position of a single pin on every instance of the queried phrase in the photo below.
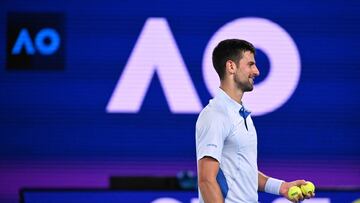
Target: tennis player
(226, 139)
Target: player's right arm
(211, 132)
(208, 168)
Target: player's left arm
(262, 178)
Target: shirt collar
(229, 102)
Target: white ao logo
(156, 52)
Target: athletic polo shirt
(221, 133)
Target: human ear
(230, 66)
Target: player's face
(246, 72)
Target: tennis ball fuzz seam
(293, 192)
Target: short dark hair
(229, 49)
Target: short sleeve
(210, 136)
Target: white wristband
(272, 186)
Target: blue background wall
(55, 122)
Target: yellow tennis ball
(308, 187)
(294, 192)
(356, 201)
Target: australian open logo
(35, 41)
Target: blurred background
(96, 95)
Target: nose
(256, 71)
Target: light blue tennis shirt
(223, 134)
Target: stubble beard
(244, 86)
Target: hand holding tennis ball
(308, 188)
(292, 191)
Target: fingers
(301, 197)
(300, 182)
(297, 198)
(294, 200)
(309, 195)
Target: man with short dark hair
(226, 139)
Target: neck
(233, 92)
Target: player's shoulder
(212, 112)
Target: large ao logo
(156, 51)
